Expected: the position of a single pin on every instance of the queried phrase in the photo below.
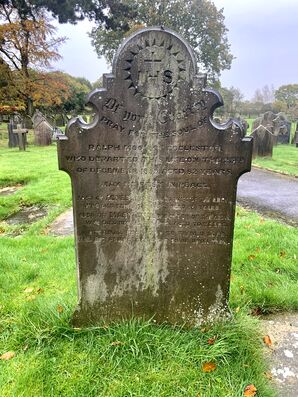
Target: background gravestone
(263, 142)
(295, 138)
(154, 189)
(43, 130)
(277, 124)
(12, 138)
(16, 121)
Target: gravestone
(277, 124)
(43, 130)
(295, 137)
(263, 141)
(12, 138)
(16, 122)
(154, 188)
(22, 134)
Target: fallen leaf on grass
(268, 375)
(251, 257)
(256, 311)
(211, 341)
(282, 254)
(237, 310)
(60, 309)
(250, 391)
(117, 343)
(267, 340)
(7, 356)
(28, 290)
(30, 297)
(209, 367)
(204, 330)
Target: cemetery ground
(42, 355)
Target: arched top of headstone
(155, 72)
(158, 53)
(154, 188)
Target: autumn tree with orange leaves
(28, 45)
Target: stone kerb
(154, 188)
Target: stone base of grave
(100, 314)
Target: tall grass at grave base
(132, 358)
(137, 358)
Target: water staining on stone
(154, 188)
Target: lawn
(284, 160)
(136, 358)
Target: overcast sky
(263, 35)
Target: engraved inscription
(154, 189)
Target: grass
(284, 160)
(136, 358)
(265, 272)
(37, 170)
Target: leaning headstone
(43, 130)
(263, 141)
(154, 189)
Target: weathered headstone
(15, 139)
(277, 124)
(43, 130)
(154, 188)
(263, 141)
(295, 137)
(22, 133)
(12, 138)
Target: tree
(105, 11)
(264, 95)
(198, 21)
(287, 94)
(26, 43)
(232, 98)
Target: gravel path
(283, 353)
